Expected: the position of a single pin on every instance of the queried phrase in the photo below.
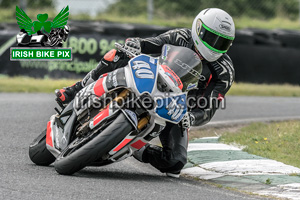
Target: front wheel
(38, 152)
(84, 151)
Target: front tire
(38, 152)
(75, 158)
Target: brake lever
(59, 103)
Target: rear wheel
(38, 152)
(84, 151)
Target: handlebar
(122, 48)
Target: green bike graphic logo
(42, 24)
(44, 44)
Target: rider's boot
(66, 95)
(173, 174)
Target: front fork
(106, 111)
(121, 97)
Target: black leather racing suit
(217, 78)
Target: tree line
(262, 9)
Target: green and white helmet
(213, 31)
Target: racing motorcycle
(119, 113)
(54, 39)
(57, 36)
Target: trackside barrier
(259, 56)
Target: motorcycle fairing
(144, 73)
(133, 142)
(99, 117)
(49, 134)
(106, 83)
(59, 130)
(130, 144)
(171, 108)
(116, 79)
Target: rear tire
(38, 152)
(73, 159)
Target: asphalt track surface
(24, 116)
(257, 109)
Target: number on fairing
(143, 70)
(175, 110)
(171, 109)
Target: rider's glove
(187, 120)
(133, 45)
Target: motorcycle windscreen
(184, 62)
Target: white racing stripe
(205, 138)
(243, 167)
(210, 146)
(291, 191)
(7, 45)
(250, 167)
(201, 173)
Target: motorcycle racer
(211, 36)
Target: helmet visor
(213, 40)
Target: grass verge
(250, 89)
(27, 84)
(212, 131)
(278, 141)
